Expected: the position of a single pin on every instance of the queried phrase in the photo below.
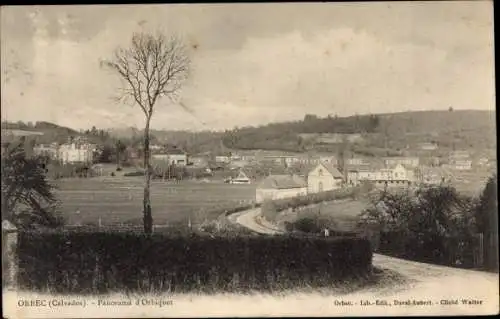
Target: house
(403, 160)
(357, 175)
(428, 146)
(280, 186)
(241, 178)
(324, 177)
(356, 161)
(459, 154)
(223, 159)
(199, 161)
(330, 159)
(397, 176)
(172, 156)
(76, 152)
(462, 165)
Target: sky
(252, 63)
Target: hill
(369, 135)
(385, 132)
(50, 132)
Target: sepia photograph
(320, 159)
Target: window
(320, 172)
(320, 186)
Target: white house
(330, 159)
(462, 165)
(222, 159)
(407, 161)
(324, 177)
(396, 176)
(174, 156)
(76, 153)
(356, 161)
(280, 186)
(427, 146)
(242, 178)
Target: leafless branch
(152, 67)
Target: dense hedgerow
(271, 209)
(75, 262)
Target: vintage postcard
(256, 160)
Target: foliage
(486, 216)
(424, 224)
(27, 197)
(90, 263)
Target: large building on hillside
(280, 186)
(396, 176)
(324, 177)
(75, 152)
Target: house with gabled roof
(241, 178)
(324, 177)
(280, 186)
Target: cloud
(340, 71)
(260, 78)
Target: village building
(76, 151)
(406, 161)
(199, 161)
(355, 161)
(324, 177)
(329, 159)
(280, 186)
(462, 165)
(459, 155)
(397, 176)
(428, 146)
(173, 156)
(241, 178)
(223, 159)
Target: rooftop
(282, 182)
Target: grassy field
(117, 200)
(339, 215)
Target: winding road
(425, 279)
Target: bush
(90, 263)
(307, 225)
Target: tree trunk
(147, 216)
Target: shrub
(307, 225)
(90, 263)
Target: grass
(339, 215)
(117, 200)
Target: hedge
(90, 263)
(270, 209)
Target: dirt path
(447, 280)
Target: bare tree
(154, 66)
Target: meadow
(118, 200)
(340, 215)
